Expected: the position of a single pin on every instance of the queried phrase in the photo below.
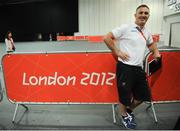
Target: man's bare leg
(134, 104)
(122, 109)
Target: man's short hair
(143, 5)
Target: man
(132, 40)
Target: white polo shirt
(130, 40)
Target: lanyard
(141, 33)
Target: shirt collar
(135, 25)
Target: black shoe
(127, 122)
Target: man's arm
(153, 48)
(109, 40)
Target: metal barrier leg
(1, 91)
(1, 95)
(154, 113)
(24, 106)
(15, 112)
(114, 114)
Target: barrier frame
(23, 104)
(1, 93)
(148, 74)
(1, 87)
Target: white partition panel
(175, 39)
(97, 17)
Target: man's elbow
(107, 38)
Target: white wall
(171, 15)
(171, 7)
(97, 17)
(175, 39)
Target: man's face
(141, 16)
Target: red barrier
(95, 39)
(165, 83)
(61, 38)
(71, 77)
(69, 37)
(79, 38)
(80, 78)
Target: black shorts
(132, 84)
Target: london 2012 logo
(56, 79)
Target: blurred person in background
(10, 47)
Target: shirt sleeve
(119, 31)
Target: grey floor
(79, 117)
